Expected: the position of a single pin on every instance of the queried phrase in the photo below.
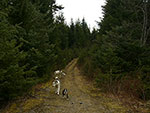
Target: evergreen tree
(12, 67)
(27, 53)
(119, 50)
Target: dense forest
(34, 42)
(119, 56)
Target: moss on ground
(31, 103)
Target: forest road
(83, 97)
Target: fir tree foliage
(34, 42)
(118, 50)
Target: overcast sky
(89, 9)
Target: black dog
(65, 93)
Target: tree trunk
(145, 29)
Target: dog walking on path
(56, 83)
(65, 93)
(59, 73)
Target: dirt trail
(83, 97)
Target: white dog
(59, 73)
(56, 83)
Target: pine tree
(12, 68)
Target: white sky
(89, 9)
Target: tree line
(119, 55)
(34, 41)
